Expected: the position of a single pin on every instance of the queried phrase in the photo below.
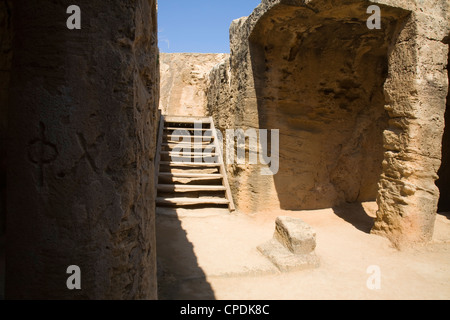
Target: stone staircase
(190, 171)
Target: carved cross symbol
(42, 152)
(86, 155)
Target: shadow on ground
(179, 275)
(445, 214)
(356, 215)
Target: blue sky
(199, 25)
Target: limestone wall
(416, 91)
(352, 105)
(184, 78)
(82, 124)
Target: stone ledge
(285, 260)
(292, 246)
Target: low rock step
(190, 201)
(186, 120)
(190, 175)
(188, 154)
(206, 143)
(285, 260)
(292, 246)
(186, 129)
(296, 235)
(184, 136)
(188, 188)
(186, 145)
(189, 158)
(189, 164)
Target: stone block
(292, 246)
(296, 235)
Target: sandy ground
(213, 256)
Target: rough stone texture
(82, 132)
(292, 247)
(184, 79)
(219, 95)
(416, 91)
(352, 104)
(295, 235)
(285, 260)
(331, 147)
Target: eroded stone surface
(184, 79)
(352, 105)
(331, 143)
(82, 127)
(292, 246)
(285, 260)
(295, 235)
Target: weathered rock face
(82, 127)
(295, 235)
(416, 92)
(184, 79)
(352, 104)
(292, 246)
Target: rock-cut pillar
(82, 125)
(416, 92)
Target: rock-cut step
(212, 176)
(202, 145)
(187, 154)
(185, 129)
(189, 164)
(188, 188)
(190, 201)
(185, 137)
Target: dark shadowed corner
(444, 173)
(5, 71)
